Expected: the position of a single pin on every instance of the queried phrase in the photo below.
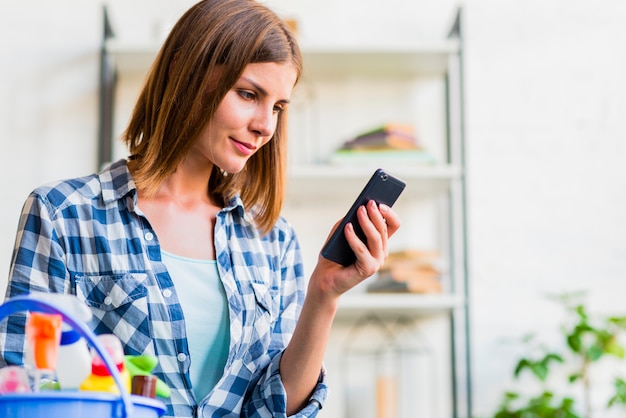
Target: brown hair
(202, 58)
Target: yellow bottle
(100, 379)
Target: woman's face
(246, 118)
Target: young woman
(180, 250)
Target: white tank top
(205, 308)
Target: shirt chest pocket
(119, 303)
(260, 350)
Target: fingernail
(383, 207)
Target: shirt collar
(117, 182)
(236, 205)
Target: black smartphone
(382, 187)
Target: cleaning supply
(13, 379)
(43, 335)
(144, 385)
(100, 379)
(143, 365)
(43, 332)
(74, 358)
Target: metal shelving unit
(447, 178)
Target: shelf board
(333, 181)
(397, 304)
(425, 58)
(420, 59)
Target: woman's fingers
(372, 253)
(391, 219)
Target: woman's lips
(243, 147)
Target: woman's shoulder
(282, 231)
(60, 190)
(75, 190)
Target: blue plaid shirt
(87, 237)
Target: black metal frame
(108, 80)
(460, 318)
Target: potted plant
(589, 339)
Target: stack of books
(389, 143)
(408, 271)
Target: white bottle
(74, 361)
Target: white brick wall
(546, 132)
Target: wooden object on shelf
(409, 271)
(386, 397)
(412, 285)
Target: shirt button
(167, 293)
(181, 357)
(108, 300)
(149, 236)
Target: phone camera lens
(384, 177)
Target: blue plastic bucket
(73, 404)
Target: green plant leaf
(554, 357)
(619, 321)
(540, 370)
(583, 328)
(521, 365)
(615, 349)
(574, 342)
(595, 352)
(619, 398)
(582, 312)
(511, 395)
(574, 377)
(588, 339)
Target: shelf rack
(118, 56)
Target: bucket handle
(32, 303)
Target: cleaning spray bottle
(43, 333)
(74, 358)
(100, 379)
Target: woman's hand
(378, 222)
(301, 362)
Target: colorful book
(399, 128)
(382, 140)
(388, 136)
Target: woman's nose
(264, 121)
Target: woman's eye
(279, 108)
(248, 95)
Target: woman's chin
(232, 169)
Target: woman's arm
(302, 360)
(37, 265)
